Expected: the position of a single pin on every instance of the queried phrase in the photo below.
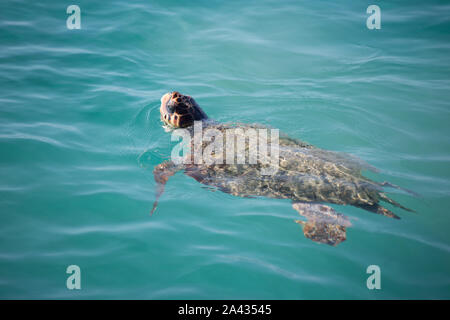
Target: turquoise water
(80, 135)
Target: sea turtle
(305, 174)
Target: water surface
(80, 135)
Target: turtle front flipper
(162, 173)
(324, 224)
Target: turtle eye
(170, 108)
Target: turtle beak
(164, 110)
(165, 99)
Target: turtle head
(180, 111)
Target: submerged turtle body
(307, 175)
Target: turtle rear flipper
(391, 185)
(376, 208)
(324, 224)
(394, 203)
